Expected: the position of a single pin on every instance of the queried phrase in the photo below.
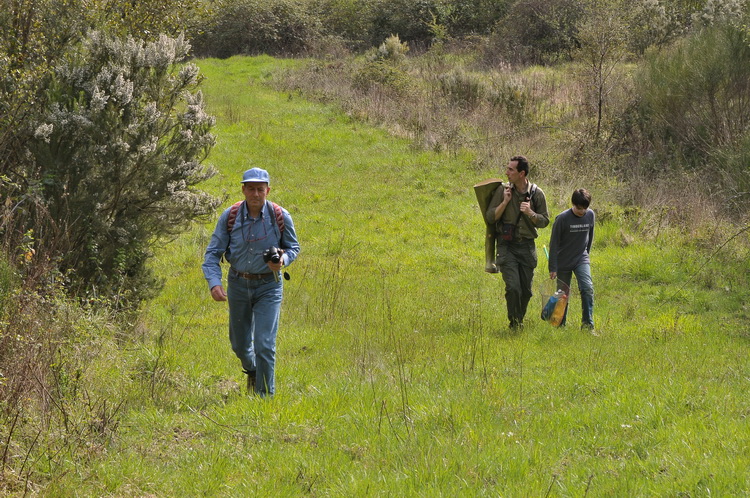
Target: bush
(467, 17)
(735, 169)
(380, 73)
(652, 24)
(514, 98)
(694, 95)
(463, 88)
(276, 27)
(391, 50)
(691, 112)
(409, 19)
(349, 20)
(535, 32)
(116, 159)
(283, 27)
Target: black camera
(272, 254)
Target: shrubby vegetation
(116, 162)
(536, 32)
(623, 92)
(280, 27)
(294, 27)
(695, 107)
(102, 136)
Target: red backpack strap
(279, 217)
(233, 211)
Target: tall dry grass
(451, 101)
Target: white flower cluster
(178, 186)
(195, 114)
(187, 169)
(150, 113)
(43, 131)
(196, 201)
(165, 51)
(122, 89)
(188, 74)
(99, 100)
(148, 148)
(63, 119)
(716, 11)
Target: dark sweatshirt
(570, 243)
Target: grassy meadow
(396, 373)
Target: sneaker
(587, 327)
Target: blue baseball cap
(256, 175)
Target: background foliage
(697, 104)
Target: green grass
(396, 374)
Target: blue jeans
(585, 286)
(254, 307)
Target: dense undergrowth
(620, 127)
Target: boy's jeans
(585, 286)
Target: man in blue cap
(258, 239)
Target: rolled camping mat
(484, 191)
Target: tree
(117, 155)
(602, 41)
(536, 32)
(34, 36)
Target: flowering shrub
(391, 50)
(117, 154)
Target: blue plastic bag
(550, 306)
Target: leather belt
(252, 276)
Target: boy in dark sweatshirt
(569, 248)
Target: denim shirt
(244, 247)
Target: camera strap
(530, 193)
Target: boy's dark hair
(523, 164)
(581, 198)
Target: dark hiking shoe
(250, 381)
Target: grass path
(396, 375)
